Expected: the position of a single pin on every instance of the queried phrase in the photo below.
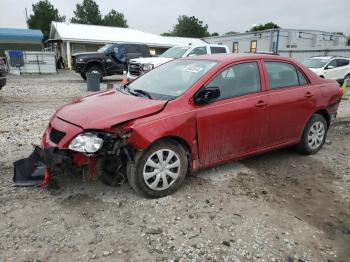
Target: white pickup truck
(142, 65)
(330, 67)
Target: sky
(158, 16)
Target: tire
(347, 80)
(83, 76)
(147, 179)
(314, 135)
(95, 69)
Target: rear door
(336, 69)
(236, 123)
(292, 99)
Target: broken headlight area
(96, 155)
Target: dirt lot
(278, 206)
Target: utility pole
(26, 11)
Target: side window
(199, 51)
(342, 62)
(282, 75)
(237, 80)
(132, 48)
(332, 63)
(302, 79)
(217, 50)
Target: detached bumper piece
(35, 169)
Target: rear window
(217, 50)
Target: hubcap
(162, 169)
(316, 135)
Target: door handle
(308, 94)
(261, 103)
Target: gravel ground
(279, 206)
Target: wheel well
(182, 143)
(324, 113)
(95, 64)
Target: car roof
(327, 57)
(230, 57)
(204, 44)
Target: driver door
(236, 122)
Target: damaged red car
(186, 115)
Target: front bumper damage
(109, 165)
(35, 170)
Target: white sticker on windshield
(192, 69)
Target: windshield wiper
(142, 92)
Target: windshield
(172, 79)
(175, 52)
(104, 48)
(315, 63)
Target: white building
(69, 38)
(295, 43)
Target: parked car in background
(112, 59)
(188, 114)
(330, 67)
(140, 66)
(3, 73)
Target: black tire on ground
(347, 80)
(83, 76)
(95, 69)
(137, 181)
(304, 146)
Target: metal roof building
(20, 39)
(72, 38)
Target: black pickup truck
(112, 59)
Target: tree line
(88, 12)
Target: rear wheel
(347, 80)
(314, 135)
(95, 70)
(160, 170)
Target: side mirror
(330, 67)
(206, 95)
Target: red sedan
(185, 115)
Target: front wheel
(95, 70)
(314, 135)
(83, 76)
(160, 170)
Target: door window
(284, 75)
(237, 80)
(342, 62)
(217, 49)
(332, 64)
(199, 51)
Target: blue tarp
(21, 34)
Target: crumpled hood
(156, 61)
(106, 109)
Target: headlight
(147, 67)
(86, 143)
(80, 59)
